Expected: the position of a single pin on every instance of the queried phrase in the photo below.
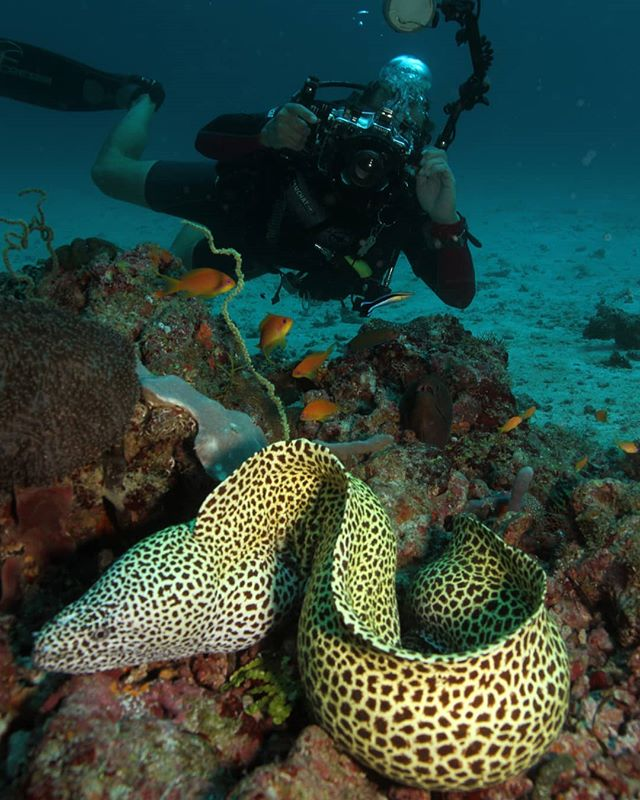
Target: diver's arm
(440, 256)
(231, 136)
(285, 127)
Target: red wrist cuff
(453, 234)
(444, 230)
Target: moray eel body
(474, 715)
(482, 706)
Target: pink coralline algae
(595, 593)
(607, 574)
(314, 770)
(159, 738)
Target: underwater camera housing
(352, 145)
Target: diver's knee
(122, 178)
(191, 247)
(101, 176)
(108, 175)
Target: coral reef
(584, 527)
(314, 770)
(107, 733)
(225, 437)
(67, 392)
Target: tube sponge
(67, 391)
(225, 437)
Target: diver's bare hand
(289, 128)
(436, 186)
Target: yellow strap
(360, 266)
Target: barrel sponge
(67, 391)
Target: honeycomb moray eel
(483, 705)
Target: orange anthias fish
(311, 363)
(513, 422)
(318, 410)
(204, 282)
(628, 447)
(581, 463)
(273, 332)
(601, 415)
(510, 424)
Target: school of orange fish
(208, 283)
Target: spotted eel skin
(481, 706)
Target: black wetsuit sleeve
(447, 270)
(42, 78)
(231, 136)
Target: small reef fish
(601, 415)
(204, 282)
(311, 363)
(581, 463)
(371, 337)
(367, 306)
(273, 332)
(628, 447)
(318, 410)
(510, 424)
(513, 422)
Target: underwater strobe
(408, 16)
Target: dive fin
(33, 75)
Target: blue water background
(561, 131)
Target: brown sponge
(67, 391)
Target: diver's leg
(119, 170)
(38, 76)
(185, 244)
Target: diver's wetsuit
(241, 199)
(247, 199)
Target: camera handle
(307, 95)
(474, 89)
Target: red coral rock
(144, 737)
(314, 769)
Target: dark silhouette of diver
(329, 231)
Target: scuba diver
(327, 193)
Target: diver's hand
(289, 128)
(436, 186)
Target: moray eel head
(129, 616)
